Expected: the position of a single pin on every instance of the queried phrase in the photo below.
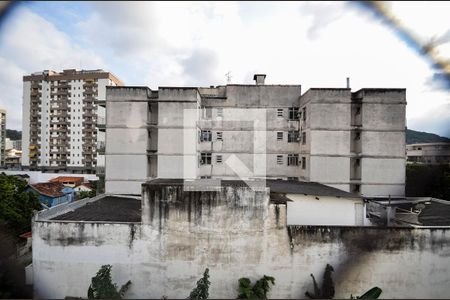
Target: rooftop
(106, 209)
(276, 186)
(70, 179)
(51, 189)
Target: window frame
(295, 158)
(278, 135)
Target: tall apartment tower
(63, 120)
(2, 136)
(351, 141)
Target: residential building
(70, 181)
(351, 141)
(52, 193)
(2, 136)
(13, 159)
(61, 112)
(17, 144)
(428, 153)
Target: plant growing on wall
(201, 290)
(102, 286)
(327, 289)
(259, 289)
(373, 293)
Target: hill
(13, 134)
(415, 137)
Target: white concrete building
(61, 112)
(351, 141)
(428, 153)
(2, 136)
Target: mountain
(13, 134)
(416, 137)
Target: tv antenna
(228, 75)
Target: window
(219, 159)
(279, 112)
(303, 137)
(279, 136)
(220, 112)
(293, 136)
(293, 113)
(292, 160)
(304, 114)
(205, 136)
(219, 136)
(292, 178)
(280, 159)
(303, 162)
(357, 136)
(205, 158)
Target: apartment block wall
(383, 145)
(126, 139)
(326, 124)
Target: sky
(315, 44)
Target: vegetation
(86, 194)
(327, 289)
(16, 205)
(373, 293)
(102, 286)
(415, 137)
(258, 291)
(428, 181)
(13, 134)
(202, 288)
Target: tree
(258, 291)
(16, 205)
(327, 290)
(201, 290)
(373, 293)
(102, 286)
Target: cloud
(29, 43)
(195, 67)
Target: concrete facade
(331, 136)
(428, 153)
(2, 137)
(63, 120)
(235, 232)
(355, 141)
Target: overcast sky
(196, 44)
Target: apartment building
(2, 137)
(428, 153)
(63, 120)
(351, 141)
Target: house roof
(50, 189)
(107, 209)
(63, 179)
(276, 186)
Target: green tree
(16, 205)
(102, 286)
(259, 289)
(373, 293)
(327, 289)
(202, 288)
(428, 181)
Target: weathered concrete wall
(185, 232)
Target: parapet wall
(235, 234)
